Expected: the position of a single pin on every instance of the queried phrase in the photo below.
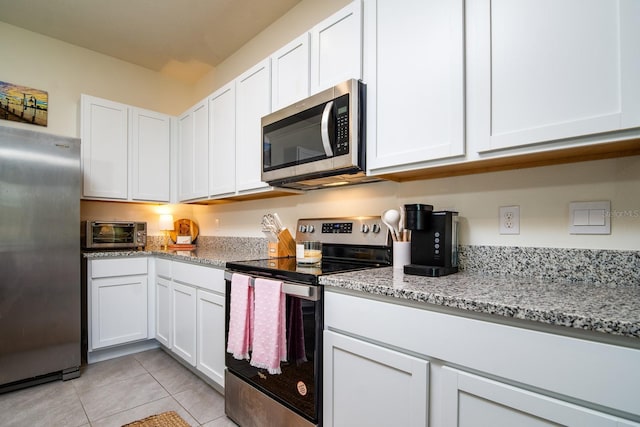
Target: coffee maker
(434, 241)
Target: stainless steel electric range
(253, 397)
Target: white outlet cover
(509, 219)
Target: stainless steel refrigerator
(39, 257)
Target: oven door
(298, 387)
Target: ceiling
(183, 39)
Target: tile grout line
(168, 392)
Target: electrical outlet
(509, 220)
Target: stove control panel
(349, 230)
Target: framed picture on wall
(23, 104)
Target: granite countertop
(603, 308)
(214, 257)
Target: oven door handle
(308, 292)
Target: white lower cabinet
(163, 311)
(393, 364)
(120, 308)
(117, 302)
(472, 400)
(365, 384)
(190, 321)
(184, 321)
(210, 339)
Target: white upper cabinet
(336, 48)
(125, 152)
(290, 73)
(151, 155)
(104, 148)
(543, 70)
(253, 100)
(414, 71)
(222, 141)
(193, 152)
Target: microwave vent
(327, 181)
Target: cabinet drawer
(210, 278)
(118, 267)
(163, 268)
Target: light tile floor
(116, 392)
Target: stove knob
(302, 228)
(375, 228)
(364, 228)
(311, 229)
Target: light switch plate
(590, 217)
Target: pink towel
(269, 340)
(240, 317)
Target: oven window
(298, 385)
(109, 233)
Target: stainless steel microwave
(113, 234)
(318, 141)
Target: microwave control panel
(342, 125)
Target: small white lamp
(166, 225)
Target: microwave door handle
(324, 129)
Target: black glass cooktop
(287, 268)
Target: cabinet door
(414, 69)
(193, 152)
(185, 155)
(150, 156)
(184, 321)
(201, 150)
(163, 311)
(365, 384)
(211, 331)
(290, 73)
(104, 148)
(336, 48)
(253, 100)
(471, 400)
(118, 310)
(222, 142)
(537, 73)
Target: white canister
(401, 254)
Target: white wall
(111, 211)
(65, 71)
(543, 195)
